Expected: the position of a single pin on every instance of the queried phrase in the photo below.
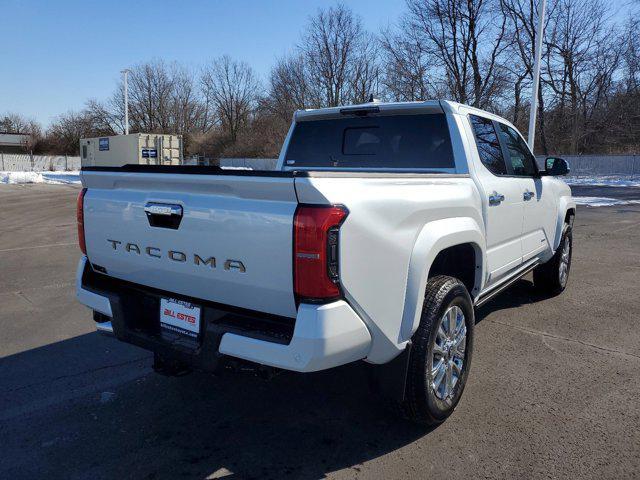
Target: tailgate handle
(163, 215)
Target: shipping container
(135, 148)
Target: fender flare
(433, 238)
(565, 203)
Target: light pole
(125, 74)
(536, 73)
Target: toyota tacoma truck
(383, 227)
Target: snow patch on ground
(605, 180)
(603, 201)
(14, 178)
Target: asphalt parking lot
(554, 391)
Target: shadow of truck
(91, 406)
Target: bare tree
(337, 62)
(329, 44)
(365, 75)
(150, 88)
(584, 57)
(16, 123)
(187, 109)
(631, 54)
(521, 34)
(621, 119)
(233, 89)
(64, 134)
(107, 116)
(464, 40)
(161, 99)
(406, 68)
(291, 88)
(340, 58)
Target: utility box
(135, 148)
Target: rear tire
(552, 277)
(441, 353)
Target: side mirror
(556, 166)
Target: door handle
(527, 195)
(496, 198)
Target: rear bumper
(324, 336)
(96, 302)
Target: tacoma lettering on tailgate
(229, 264)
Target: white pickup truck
(382, 229)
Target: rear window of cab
(412, 142)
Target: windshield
(392, 141)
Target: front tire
(552, 277)
(441, 352)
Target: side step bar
(494, 290)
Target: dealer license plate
(180, 317)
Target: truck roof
(426, 106)
(429, 106)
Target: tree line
(477, 52)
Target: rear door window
(385, 141)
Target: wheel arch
(566, 211)
(437, 238)
(459, 261)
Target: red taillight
(80, 220)
(315, 254)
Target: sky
(57, 54)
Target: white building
(14, 142)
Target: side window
(488, 145)
(522, 161)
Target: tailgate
(232, 244)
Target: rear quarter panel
(395, 228)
